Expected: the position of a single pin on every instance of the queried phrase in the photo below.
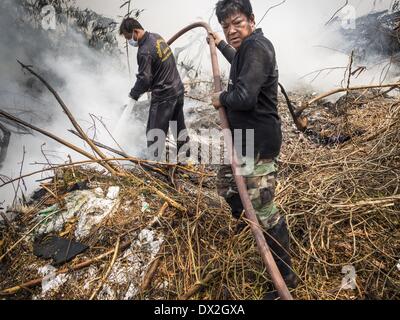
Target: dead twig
(269, 9)
(20, 174)
(76, 267)
(199, 285)
(52, 136)
(80, 163)
(339, 90)
(340, 9)
(123, 154)
(103, 280)
(148, 278)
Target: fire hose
(250, 213)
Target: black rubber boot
(278, 241)
(236, 206)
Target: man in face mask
(157, 73)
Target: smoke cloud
(298, 30)
(89, 82)
(93, 82)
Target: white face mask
(133, 42)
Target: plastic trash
(113, 193)
(51, 281)
(145, 205)
(59, 249)
(89, 207)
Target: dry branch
(52, 136)
(123, 154)
(103, 280)
(339, 90)
(76, 267)
(70, 116)
(200, 285)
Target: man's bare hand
(215, 36)
(216, 102)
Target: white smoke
(91, 82)
(304, 43)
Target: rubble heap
(341, 201)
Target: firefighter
(251, 103)
(157, 73)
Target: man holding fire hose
(251, 103)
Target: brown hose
(265, 252)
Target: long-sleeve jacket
(157, 70)
(251, 98)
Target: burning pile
(161, 231)
(343, 204)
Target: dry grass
(342, 204)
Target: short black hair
(225, 8)
(128, 25)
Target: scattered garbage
(59, 249)
(113, 193)
(52, 219)
(89, 207)
(99, 192)
(130, 269)
(51, 281)
(95, 210)
(345, 205)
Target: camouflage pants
(261, 184)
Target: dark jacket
(252, 96)
(157, 70)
